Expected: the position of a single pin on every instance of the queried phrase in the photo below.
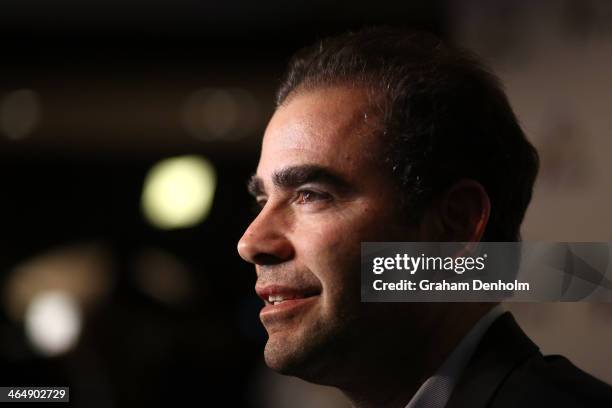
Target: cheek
(331, 249)
(327, 251)
(329, 237)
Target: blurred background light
(83, 270)
(19, 113)
(163, 276)
(53, 322)
(220, 113)
(178, 192)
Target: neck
(392, 376)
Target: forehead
(334, 127)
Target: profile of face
(323, 189)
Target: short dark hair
(447, 116)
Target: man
(384, 135)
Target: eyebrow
(295, 176)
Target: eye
(309, 196)
(261, 201)
(258, 204)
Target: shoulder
(552, 381)
(508, 370)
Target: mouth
(277, 294)
(282, 301)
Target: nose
(265, 242)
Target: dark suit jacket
(508, 370)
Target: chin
(282, 356)
(311, 361)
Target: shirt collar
(436, 390)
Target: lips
(275, 294)
(284, 300)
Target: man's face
(324, 188)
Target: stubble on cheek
(314, 340)
(295, 349)
(319, 338)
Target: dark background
(111, 78)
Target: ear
(461, 215)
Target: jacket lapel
(503, 347)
